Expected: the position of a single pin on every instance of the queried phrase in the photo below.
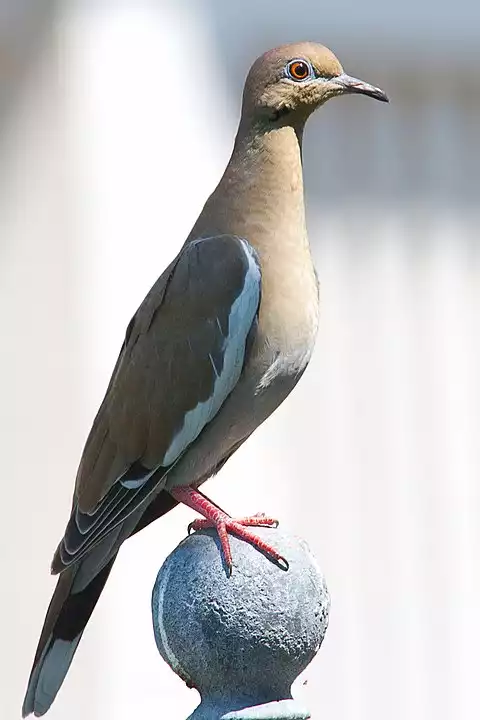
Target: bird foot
(239, 527)
(214, 517)
(257, 520)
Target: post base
(277, 710)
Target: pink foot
(223, 523)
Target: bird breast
(288, 319)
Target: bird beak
(349, 84)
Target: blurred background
(116, 120)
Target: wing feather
(183, 354)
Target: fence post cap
(242, 640)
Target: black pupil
(300, 69)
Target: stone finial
(240, 641)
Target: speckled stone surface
(241, 641)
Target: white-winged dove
(218, 343)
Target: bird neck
(260, 196)
(259, 136)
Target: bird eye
(299, 70)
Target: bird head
(291, 81)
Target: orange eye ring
(299, 70)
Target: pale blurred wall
(375, 458)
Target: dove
(219, 342)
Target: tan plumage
(205, 361)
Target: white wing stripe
(240, 319)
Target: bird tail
(67, 616)
(78, 589)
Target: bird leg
(217, 518)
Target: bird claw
(283, 563)
(215, 517)
(238, 527)
(258, 520)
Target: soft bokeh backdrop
(116, 120)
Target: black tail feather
(67, 617)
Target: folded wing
(183, 355)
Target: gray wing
(183, 355)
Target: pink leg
(217, 518)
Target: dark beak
(352, 85)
